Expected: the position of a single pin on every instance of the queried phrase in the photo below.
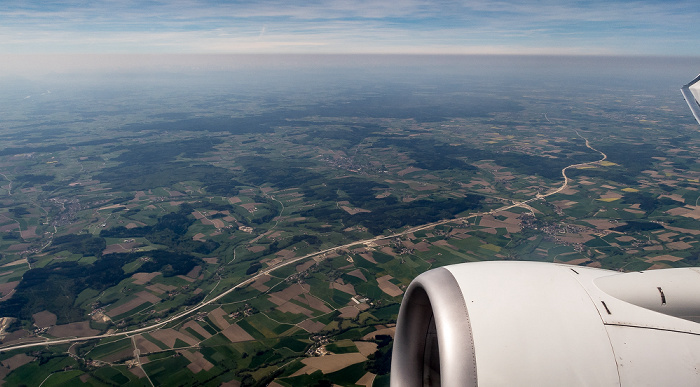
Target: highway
(267, 271)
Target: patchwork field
(240, 230)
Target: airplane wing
(691, 93)
(544, 324)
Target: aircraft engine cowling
(543, 324)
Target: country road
(369, 241)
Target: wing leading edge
(691, 93)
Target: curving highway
(267, 271)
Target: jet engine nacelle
(543, 324)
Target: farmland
(129, 223)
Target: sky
(32, 28)
(340, 26)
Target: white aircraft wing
(691, 93)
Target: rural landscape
(247, 229)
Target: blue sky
(340, 26)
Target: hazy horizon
(39, 65)
(129, 85)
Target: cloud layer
(342, 26)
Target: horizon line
(40, 64)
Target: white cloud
(345, 25)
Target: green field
(174, 192)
